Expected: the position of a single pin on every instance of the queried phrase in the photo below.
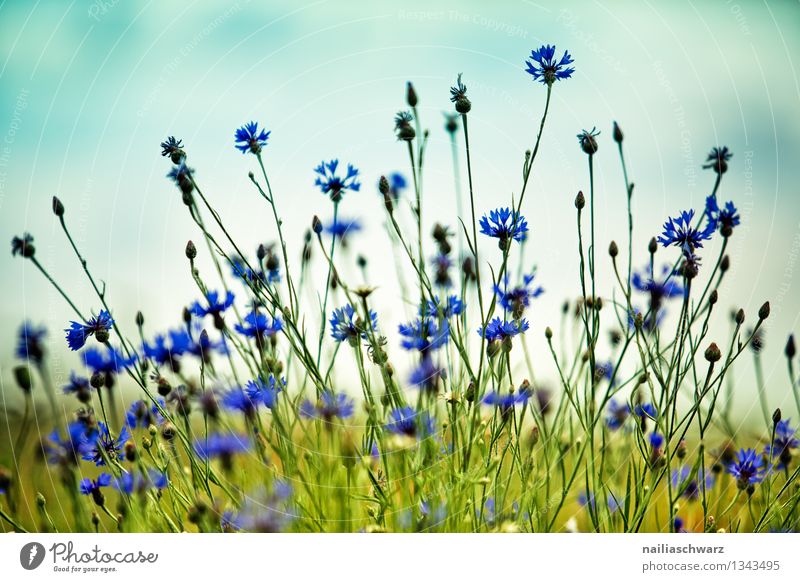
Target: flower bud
(548, 333)
(58, 207)
(139, 319)
(713, 354)
(791, 348)
(652, 246)
(613, 250)
(725, 264)
(411, 95)
(580, 201)
(617, 133)
(191, 251)
(23, 377)
(713, 297)
(739, 318)
(776, 416)
(763, 312)
(316, 225)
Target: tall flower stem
(327, 285)
(535, 147)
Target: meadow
(244, 420)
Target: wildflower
(688, 484)
(93, 488)
(458, 95)
(395, 184)
(342, 228)
(725, 218)
(265, 392)
(108, 362)
(30, 343)
(328, 407)
(426, 518)
(66, 451)
(617, 414)
(645, 410)
(424, 334)
(505, 225)
(588, 142)
(408, 422)
(216, 306)
(5, 480)
(346, 327)
(104, 447)
(402, 126)
(23, 246)
(131, 483)
(442, 264)
(240, 400)
(250, 139)
(783, 444)
(174, 149)
(426, 375)
(182, 176)
(604, 370)
(678, 525)
(548, 70)
(222, 445)
(140, 414)
(517, 299)
(240, 270)
(666, 287)
(506, 402)
(266, 512)
(656, 441)
(257, 325)
(448, 308)
(748, 468)
(202, 347)
(586, 499)
(78, 333)
(497, 329)
(163, 354)
(331, 184)
(80, 387)
(679, 232)
(717, 160)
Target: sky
(89, 89)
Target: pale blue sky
(89, 89)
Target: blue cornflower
(505, 225)
(93, 488)
(237, 399)
(783, 444)
(408, 422)
(343, 228)
(203, 347)
(66, 451)
(265, 392)
(656, 441)
(240, 269)
(426, 375)
(645, 410)
(688, 484)
(725, 218)
(499, 330)
(216, 305)
(250, 139)
(588, 500)
(345, 327)
(442, 263)
(23, 246)
(266, 512)
(328, 407)
(108, 362)
(604, 370)
(549, 70)
(518, 299)
(163, 354)
(104, 445)
(617, 414)
(678, 525)
(223, 445)
(335, 186)
(666, 287)
(30, 342)
(257, 325)
(679, 232)
(131, 483)
(424, 334)
(505, 402)
(142, 414)
(181, 174)
(748, 468)
(78, 333)
(397, 183)
(718, 159)
(79, 386)
(173, 148)
(448, 308)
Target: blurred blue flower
(425, 334)
(30, 344)
(505, 402)
(723, 218)
(783, 444)
(141, 414)
(684, 481)
(426, 375)
(448, 308)
(517, 299)
(497, 329)
(78, 333)
(103, 447)
(333, 185)
(328, 407)
(343, 325)
(89, 487)
(215, 304)
(250, 139)
(264, 512)
(617, 414)
(109, 362)
(549, 70)
(265, 392)
(131, 483)
(257, 325)
(408, 422)
(343, 228)
(221, 445)
(666, 287)
(238, 400)
(646, 410)
(66, 451)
